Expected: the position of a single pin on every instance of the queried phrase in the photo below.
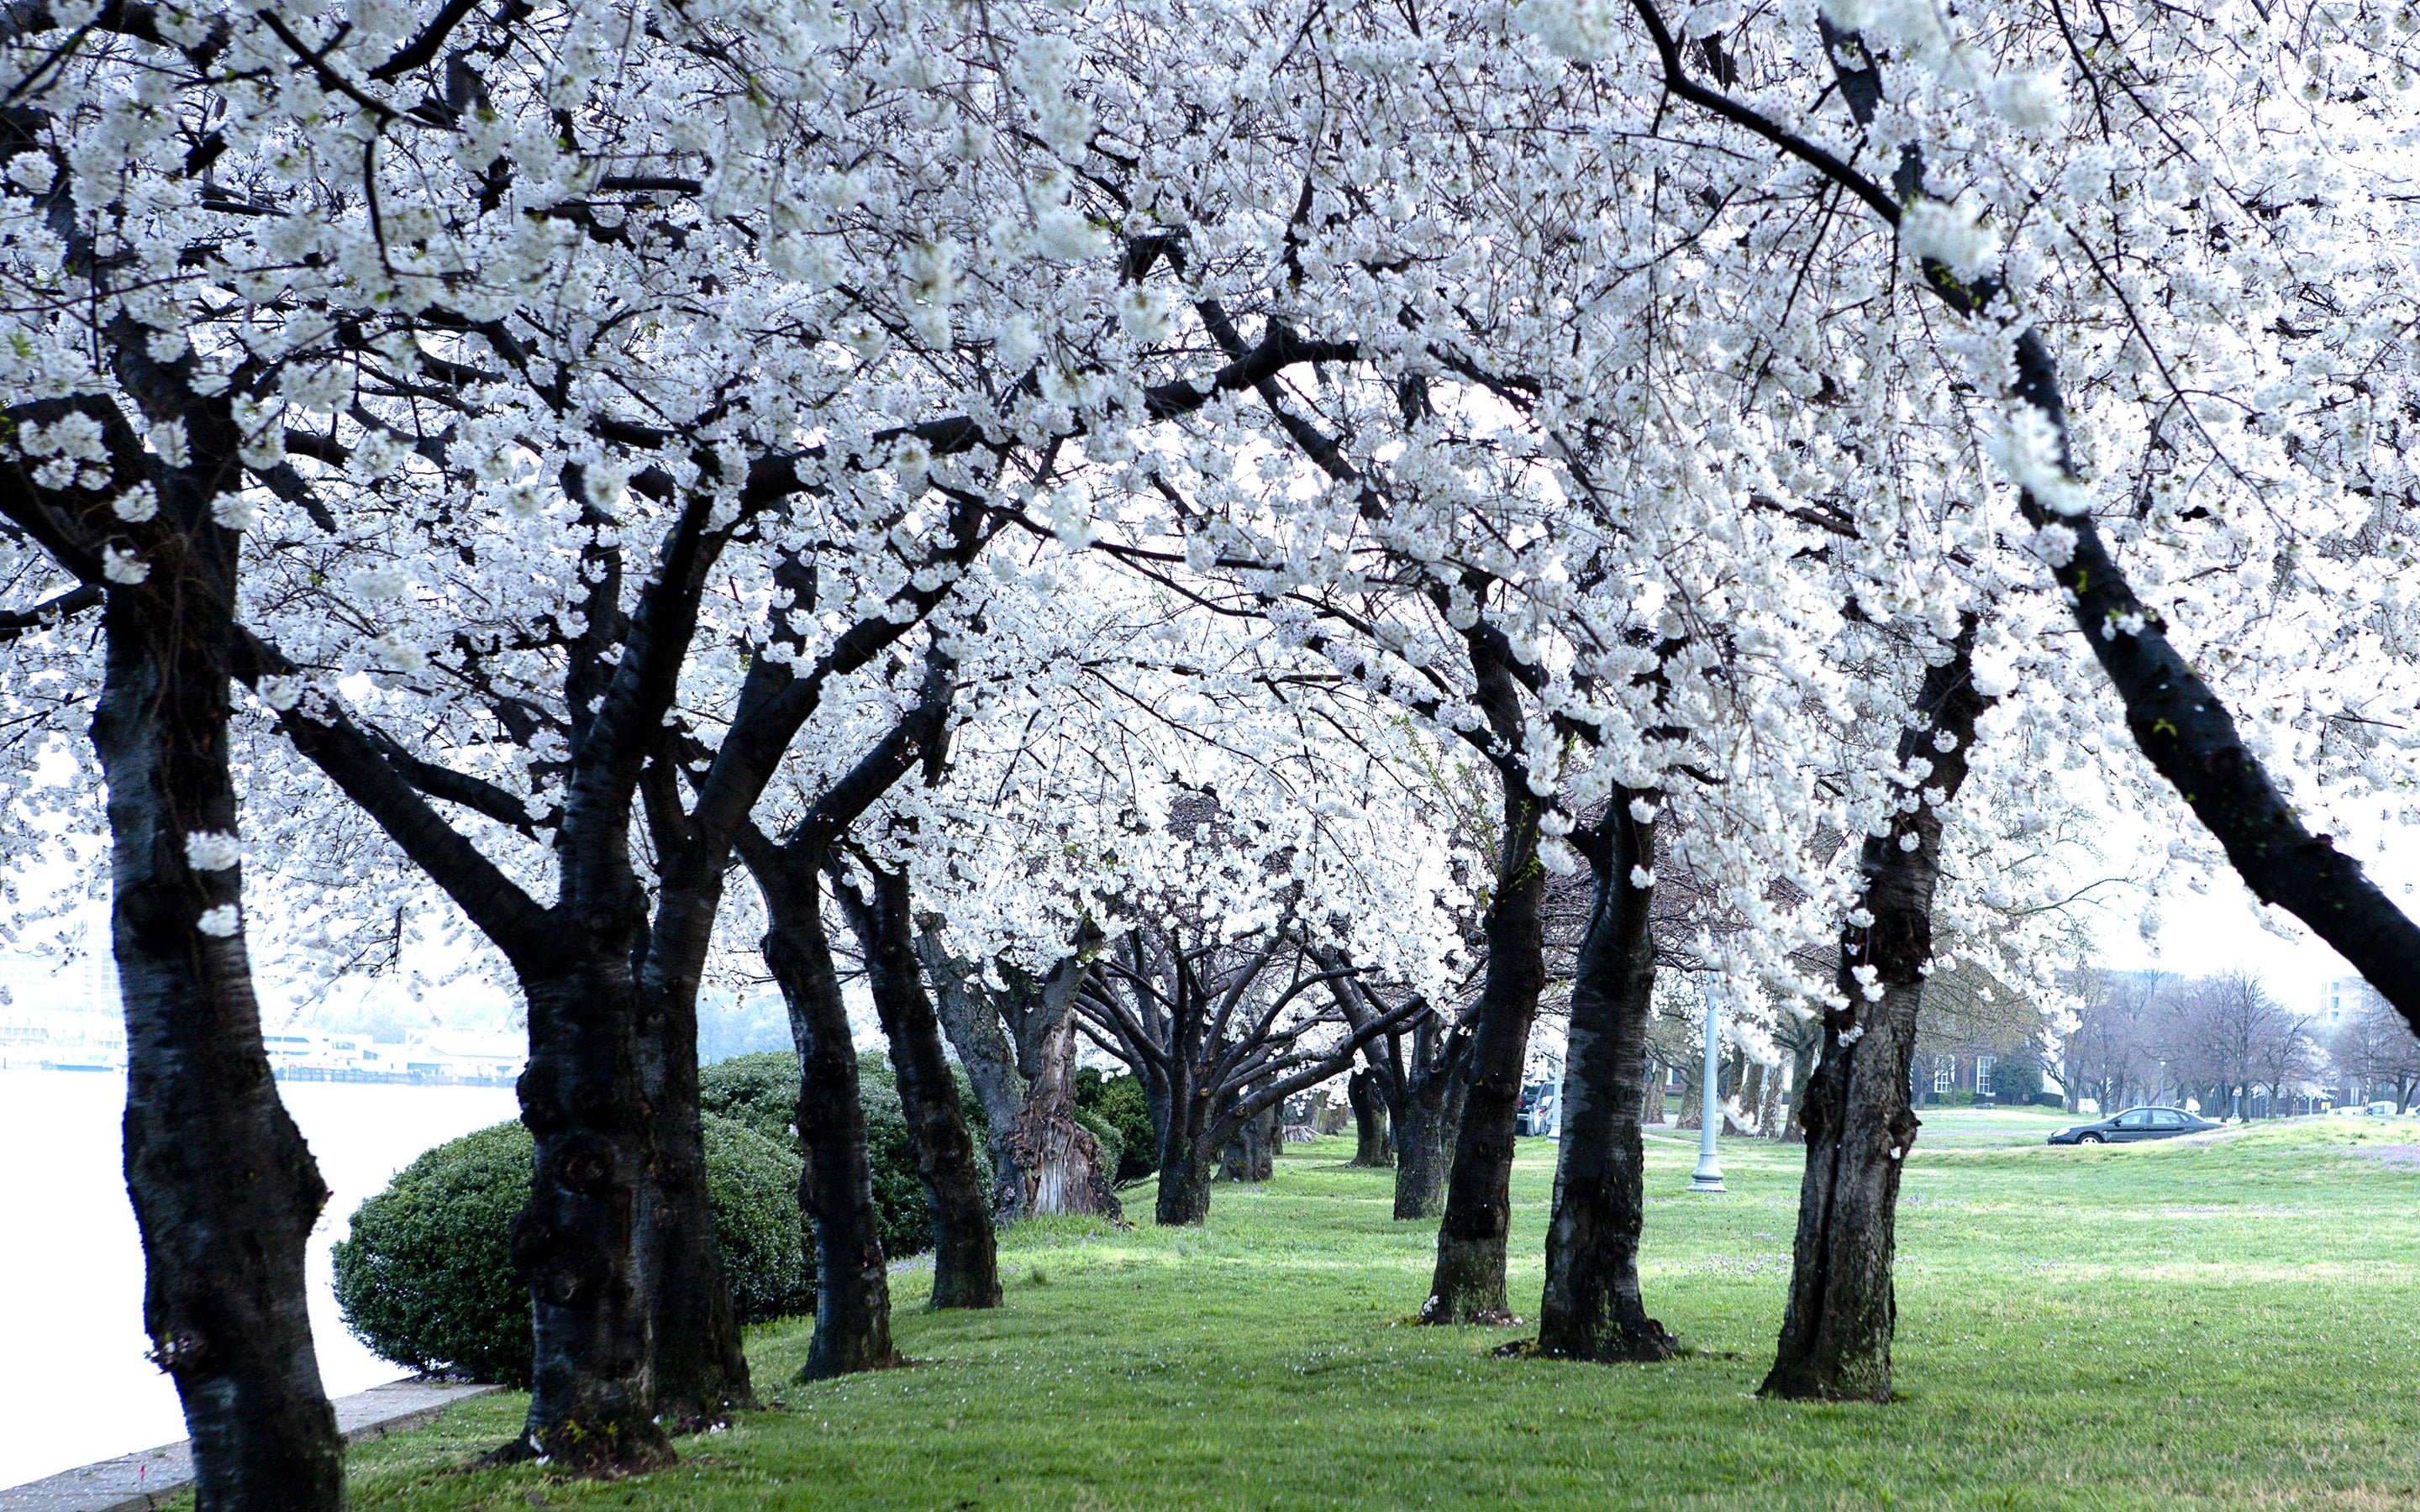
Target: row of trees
(1174, 521)
(2225, 1041)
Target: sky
(2225, 930)
(2221, 927)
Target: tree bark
(1759, 1095)
(1592, 1309)
(836, 1180)
(1836, 1330)
(1371, 1146)
(224, 1191)
(1419, 1075)
(1252, 1154)
(1802, 1062)
(1043, 1159)
(971, 1020)
(1059, 1163)
(577, 1244)
(1184, 1195)
(700, 1373)
(966, 1262)
(1693, 1096)
(1468, 1284)
(1428, 1125)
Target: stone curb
(137, 1482)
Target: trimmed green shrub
(1120, 1102)
(425, 1277)
(752, 1183)
(762, 1091)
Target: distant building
(2340, 1001)
(42, 983)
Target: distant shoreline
(284, 1074)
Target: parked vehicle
(1542, 1109)
(2381, 1110)
(2132, 1125)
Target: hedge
(762, 1091)
(425, 1277)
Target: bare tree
(2104, 1053)
(2223, 1032)
(1220, 1030)
(2377, 1049)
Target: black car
(2132, 1125)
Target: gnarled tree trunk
(1836, 1333)
(1059, 1163)
(1468, 1284)
(1592, 1309)
(1043, 1159)
(1252, 1154)
(1373, 1145)
(966, 1262)
(224, 1191)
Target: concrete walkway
(132, 1483)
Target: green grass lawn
(2228, 1323)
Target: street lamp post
(1709, 1174)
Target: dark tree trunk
(1416, 1077)
(1468, 1284)
(836, 1182)
(224, 1191)
(1801, 1061)
(1371, 1144)
(1184, 1195)
(1592, 1309)
(581, 1242)
(1423, 1140)
(1252, 1154)
(966, 1264)
(1428, 1121)
(1836, 1333)
(578, 1243)
(700, 1373)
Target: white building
(2340, 1000)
